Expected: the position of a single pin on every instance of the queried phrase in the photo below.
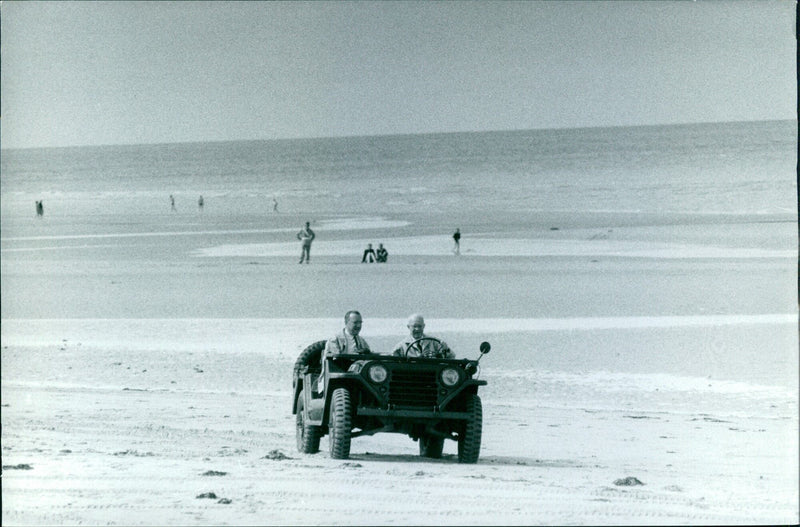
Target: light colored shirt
(345, 343)
(429, 349)
(306, 236)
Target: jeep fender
(470, 386)
(339, 380)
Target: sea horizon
(398, 134)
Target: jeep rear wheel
(340, 424)
(431, 446)
(307, 435)
(469, 441)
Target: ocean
(723, 168)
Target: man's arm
(399, 348)
(332, 347)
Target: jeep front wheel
(430, 446)
(340, 424)
(469, 441)
(307, 435)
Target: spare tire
(309, 359)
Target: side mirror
(485, 347)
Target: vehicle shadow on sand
(483, 460)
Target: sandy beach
(644, 370)
(623, 179)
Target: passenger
(369, 252)
(345, 342)
(382, 254)
(425, 348)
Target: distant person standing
(457, 240)
(274, 205)
(200, 202)
(306, 236)
(172, 202)
(39, 209)
(369, 253)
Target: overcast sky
(77, 73)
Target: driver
(426, 348)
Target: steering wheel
(419, 346)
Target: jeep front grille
(413, 388)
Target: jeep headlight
(377, 373)
(450, 377)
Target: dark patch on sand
(710, 420)
(630, 481)
(276, 455)
(21, 466)
(134, 453)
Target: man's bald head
(416, 325)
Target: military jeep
(428, 399)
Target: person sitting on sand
(382, 254)
(426, 348)
(369, 252)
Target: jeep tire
(469, 440)
(431, 446)
(340, 424)
(307, 435)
